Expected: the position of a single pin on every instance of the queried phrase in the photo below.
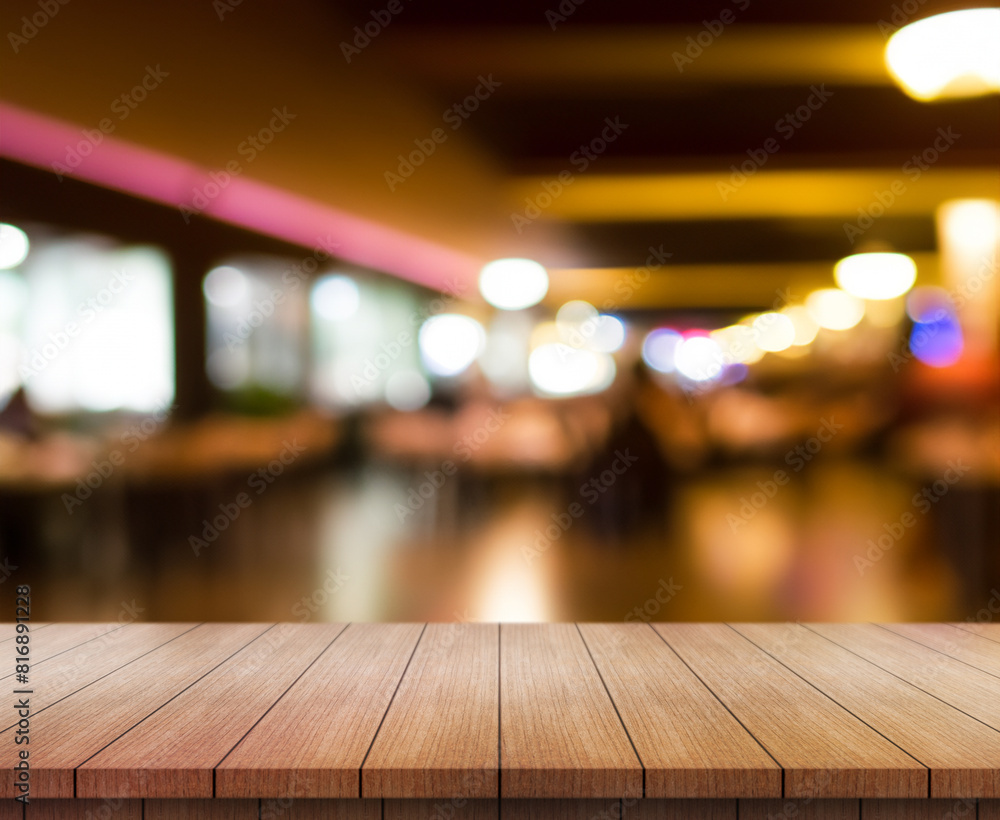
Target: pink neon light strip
(38, 140)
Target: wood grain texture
(9, 810)
(962, 753)
(441, 733)
(825, 751)
(964, 687)
(71, 671)
(81, 725)
(308, 808)
(560, 734)
(918, 809)
(453, 809)
(200, 809)
(313, 741)
(985, 630)
(967, 647)
(680, 810)
(173, 752)
(801, 809)
(989, 810)
(8, 629)
(563, 809)
(689, 744)
(83, 810)
(59, 638)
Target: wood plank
(801, 809)
(679, 810)
(985, 630)
(455, 809)
(559, 732)
(61, 676)
(81, 725)
(689, 744)
(824, 750)
(918, 809)
(563, 809)
(313, 741)
(989, 810)
(9, 810)
(440, 736)
(173, 752)
(306, 808)
(967, 647)
(962, 753)
(962, 686)
(70, 809)
(200, 809)
(8, 629)
(60, 638)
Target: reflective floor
(843, 541)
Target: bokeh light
(226, 287)
(560, 370)
(835, 309)
(947, 55)
(14, 246)
(659, 348)
(513, 284)
(449, 343)
(336, 297)
(876, 275)
(699, 358)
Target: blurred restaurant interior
(340, 310)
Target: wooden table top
(511, 711)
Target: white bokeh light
(226, 287)
(14, 246)
(335, 298)
(513, 284)
(560, 370)
(699, 358)
(449, 343)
